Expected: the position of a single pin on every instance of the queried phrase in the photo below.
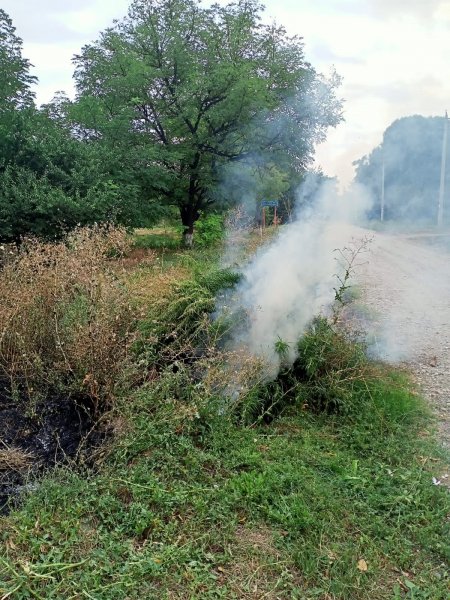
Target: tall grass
(66, 319)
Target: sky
(393, 56)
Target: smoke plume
(293, 279)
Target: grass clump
(179, 327)
(332, 369)
(14, 459)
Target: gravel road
(406, 287)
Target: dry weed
(153, 287)
(14, 459)
(66, 318)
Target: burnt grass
(54, 431)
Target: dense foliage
(50, 179)
(168, 100)
(411, 152)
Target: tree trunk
(189, 214)
(188, 236)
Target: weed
(333, 369)
(348, 260)
(178, 327)
(66, 319)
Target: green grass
(157, 238)
(189, 507)
(330, 496)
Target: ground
(405, 280)
(191, 502)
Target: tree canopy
(50, 181)
(411, 152)
(172, 101)
(182, 90)
(15, 77)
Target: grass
(192, 501)
(186, 508)
(14, 459)
(157, 238)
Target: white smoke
(293, 279)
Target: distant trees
(181, 90)
(411, 153)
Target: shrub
(330, 374)
(209, 231)
(179, 327)
(66, 320)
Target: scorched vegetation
(317, 484)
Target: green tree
(49, 179)
(16, 96)
(180, 90)
(15, 78)
(411, 153)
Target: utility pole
(382, 192)
(443, 166)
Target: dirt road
(406, 287)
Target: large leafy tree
(180, 90)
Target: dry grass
(138, 257)
(15, 459)
(259, 570)
(153, 286)
(66, 317)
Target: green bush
(209, 230)
(331, 367)
(329, 375)
(180, 328)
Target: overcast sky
(393, 56)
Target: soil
(405, 281)
(54, 431)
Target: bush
(209, 231)
(330, 375)
(66, 320)
(331, 367)
(179, 328)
